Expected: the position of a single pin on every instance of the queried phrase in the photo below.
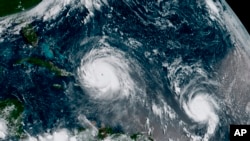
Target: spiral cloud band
(105, 74)
(201, 109)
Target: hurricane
(202, 108)
(103, 70)
(105, 73)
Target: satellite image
(128, 70)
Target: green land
(30, 35)
(46, 64)
(11, 110)
(14, 6)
